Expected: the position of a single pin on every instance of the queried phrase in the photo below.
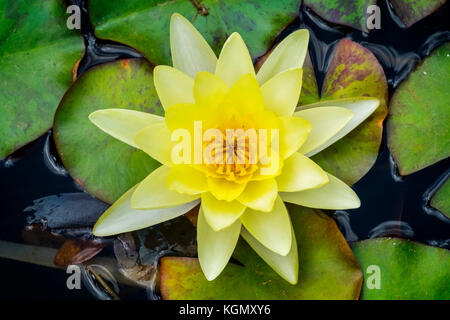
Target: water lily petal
(123, 124)
(190, 51)
(182, 116)
(120, 217)
(173, 86)
(290, 53)
(245, 96)
(286, 266)
(220, 214)
(185, 179)
(335, 195)
(234, 60)
(209, 89)
(215, 247)
(362, 108)
(152, 192)
(281, 92)
(272, 229)
(300, 173)
(156, 142)
(293, 134)
(260, 195)
(223, 189)
(326, 123)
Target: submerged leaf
(77, 251)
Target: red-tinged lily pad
(398, 269)
(411, 11)
(37, 54)
(418, 126)
(144, 25)
(310, 91)
(328, 269)
(441, 199)
(354, 72)
(344, 12)
(101, 164)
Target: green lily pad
(418, 127)
(354, 13)
(411, 11)
(37, 54)
(328, 269)
(102, 165)
(144, 25)
(406, 269)
(441, 199)
(353, 72)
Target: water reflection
(343, 221)
(100, 282)
(393, 228)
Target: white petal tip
(176, 16)
(301, 32)
(101, 230)
(211, 277)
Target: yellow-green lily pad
(441, 199)
(328, 269)
(101, 164)
(418, 127)
(144, 24)
(37, 54)
(399, 269)
(354, 73)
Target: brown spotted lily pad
(144, 25)
(344, 12)
(411, 11)
(328, 269)
(355, 14)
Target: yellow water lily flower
(243, 186)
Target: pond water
(391, 205)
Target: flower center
(234, 157)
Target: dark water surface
(391, 205)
